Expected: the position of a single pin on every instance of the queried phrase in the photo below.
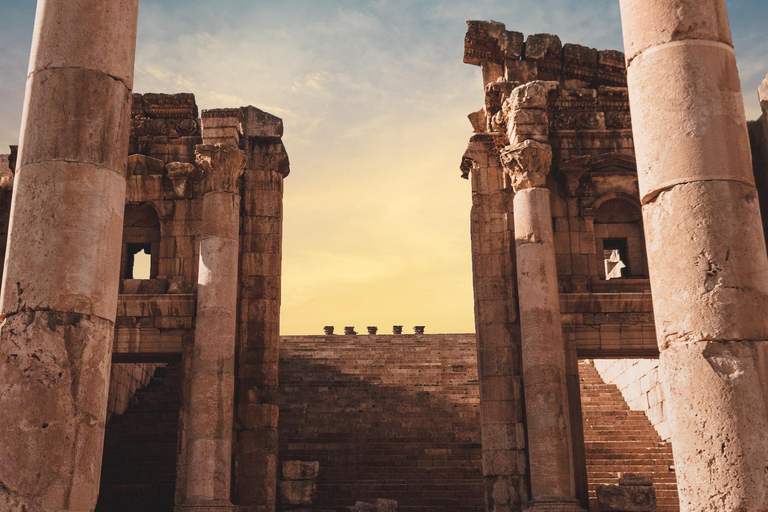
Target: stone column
(497, 327)
(706, 249)
(59, 292)
(211, 380)
(543, 347)
(258, 349)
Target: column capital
(762, 93)
(527, 164)
(221, 165)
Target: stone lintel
(221, 164)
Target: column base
(554, 504)
(206, 505)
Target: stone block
(300, 470)
(626, 498)
(260, 124)
(296, 492)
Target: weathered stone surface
(657, 22)
(540, 46)
(381, 505)
(527, 164)
(300, 470)
(626, 498)
(260, 124)
(6, 174)
(221, 165)
(530, 95)
(60, 363)
(296, 492)
(694, 163)
(762, 93)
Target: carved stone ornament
(221, 165)
(527, 164)
(180, 173)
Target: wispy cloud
(374, 97)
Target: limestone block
(725, 384)
(296, 492)
(260, 124)
(65, 98)
(528, 124)
(58, 362)
(539, 46)
(626, 498)
(654, 22)
(530, 95)
(222, 126)
(81, 248)
(300, 470)
(106, 44)
(6, 174)
(712, 142)
(762, 93)
(709, 295)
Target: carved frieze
(578, 121)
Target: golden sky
(374, 96)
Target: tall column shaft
(527, 162)
(60, 281)
(211, 379)
(706, 249)
(256, 410)
(546, 394)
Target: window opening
(615, 258)
(138, 261)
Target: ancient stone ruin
(593, 182)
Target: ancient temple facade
(561, 269)
(596, 235)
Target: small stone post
(211, 378)
(706, 249)
(527, 163)
(59, 292)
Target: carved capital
(762, 93)
(180, 175)
(221, 165)
(527, 164)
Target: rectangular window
(616, 257)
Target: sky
(374, 96)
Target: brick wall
(639, 383)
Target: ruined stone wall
(758, 137)
(638, 381)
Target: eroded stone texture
(60, 280)
(706, 250)
(211, 377)
(497, 327)
(255, 474)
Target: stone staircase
(619, 440)
(139, 468)
(387, 417)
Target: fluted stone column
(59, 293)
(211, 379)
(543, 347)
(706, 249)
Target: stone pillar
(211, 379)
(59, 293)
(258, 349)
(497, 327)
(543, 348)
(706, 249)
